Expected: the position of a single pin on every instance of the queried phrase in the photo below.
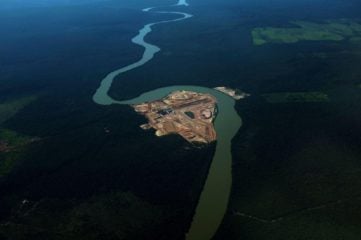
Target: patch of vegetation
(333, 30)
(356, 39)
(12, 146)
(289, 97)
(303, 164)
(11, 107)
(13, 138)
(118, 215)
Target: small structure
(236, 94)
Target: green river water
(214, 197)
(213, 200)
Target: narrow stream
(101, 95)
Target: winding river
(214, 198)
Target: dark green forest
(72, 169)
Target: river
(214, 198)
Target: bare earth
(235, 94)
(189, 114)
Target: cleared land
(186, 113)
(332, 30)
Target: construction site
(189, 114)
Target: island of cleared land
(187, 113)
(332, 30)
